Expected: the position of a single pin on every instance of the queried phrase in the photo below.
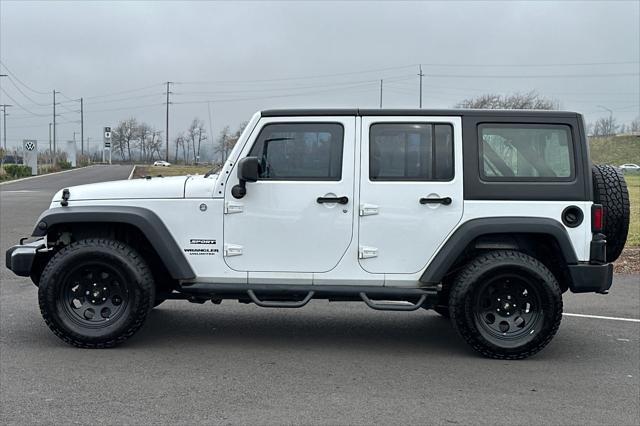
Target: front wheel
(506, 305)
(96, 293)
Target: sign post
(106, 151)
(30, 155)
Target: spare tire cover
(610, 190)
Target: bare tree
(181, 144)
(196, 134)
(529, 100)
(123, 135)
(228, 139)
(605, 126)
(634, 127)
(143, 132)
(155, 146)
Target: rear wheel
(506, 305)
(610, 190)
(96, 293)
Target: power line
(126, 99)
(529, 65)
(291, 88)
(24, 94)
(125, 108)
(123, 91)
(359, 86)
(20, 106)
(307, 77)
(425, 64)
(20, 81)
(634, 74)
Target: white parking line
(601, 317)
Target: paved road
(339, 363)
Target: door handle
(339, 200)
(445, 201)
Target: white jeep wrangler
(485, 216)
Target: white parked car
(486, 217)
(161, 164)
(630, 167)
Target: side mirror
(248, 171)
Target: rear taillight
(597, 218)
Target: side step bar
(280, 296)
(280, 303)
(387, 306)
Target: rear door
(298, 217)
(411, 195)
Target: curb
(46, 174)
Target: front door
(298, 217)
(410, 190)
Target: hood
(157, 187)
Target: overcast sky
(243, 57)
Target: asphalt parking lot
(328, 363)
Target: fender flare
(469, 231)
(151, 226)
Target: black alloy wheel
(96, 293)
(506, 304)
(93, 294)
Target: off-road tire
(610, 190)
(138, 282)
(486, 267)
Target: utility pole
(167, 123)
(4, 124)
(4, 118)
(54, 122)
(81, 126)
(380, 93)
(420, 74)
(49, 137)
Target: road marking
(131, 174)
(20, 190)
(44, 175)
(601, 317)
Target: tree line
(604, 126)
(137, 141)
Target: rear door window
(411, 152)
(517, 152)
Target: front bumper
(590, 278)
(19, 259)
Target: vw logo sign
(29, 146)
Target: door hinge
(367, 252)
(232, 250)
(368, 209)
(233, 207)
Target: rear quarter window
(526, 152)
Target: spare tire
(610, 190)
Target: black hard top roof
(415, 112)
